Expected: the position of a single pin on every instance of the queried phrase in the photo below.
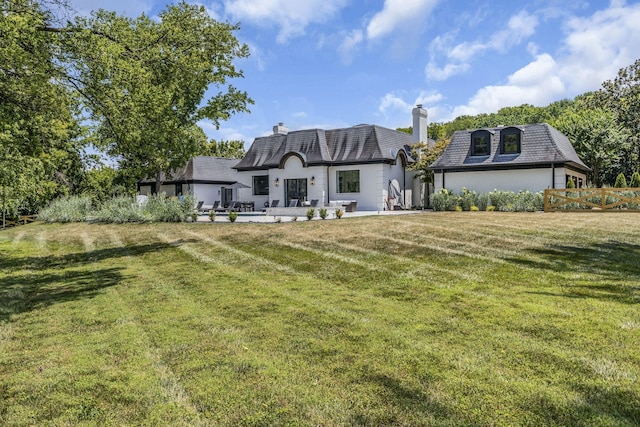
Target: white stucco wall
(374, 180)
(508, 180)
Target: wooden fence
(22, 219)
(592, 199)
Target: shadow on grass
(612, 264)
(411, 400)
(598, 405)
(32, 283)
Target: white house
(208, 178)
(365, 163)
(528, 157)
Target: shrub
(66, 209)
(570, 183)
(339, 213)
(506, 201)
(310, 213)
(323, 213)
(119, 210)
(212, 215)
(467, 199)
(444, 200)
(621, 181)
(474, 208)
(294, 218)
(233, 215)
(635, 180)
(160, 208)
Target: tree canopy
(144, 81)
(139, 85)
(228, 149)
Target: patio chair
(218, 207)
(314, 203)
(199, 205)
(274, 204)
(205, 208)
(234, 206)
(293, 203)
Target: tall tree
(143, 82)
(39, 145)
(622, 95)
(228, 149)
(598, 140)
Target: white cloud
(300, 115)
(349, 44)
(598, 46)
(397, 14)
(459, 57)
(397, 112)
(433, 72)
(291, 16)
(538, 83)
(594, 49)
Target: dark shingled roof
(540, 144)
(358, 144)
(203, 169)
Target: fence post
(604, 199)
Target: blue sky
(339, 63)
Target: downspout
(443, 186)
(553, 175)
(328, 186)
(404, 185)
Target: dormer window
(510, 139)
(481, 143)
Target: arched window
(510, 139)
(481, 143)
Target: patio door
(226, 196)
(295, 189)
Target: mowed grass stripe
(541, 338)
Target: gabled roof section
(203, 169)
(540, 144)
(358, 144)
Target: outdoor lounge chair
(293, 203)
(199, 205)
(274, 204)
(234, 206)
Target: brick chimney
(419, 124)
(280, 129)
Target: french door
(295, 189)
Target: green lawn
(435, 319)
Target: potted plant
(212, 215)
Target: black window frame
(177, 189)
(508, 132)
(475, 136)
(343, 186)
(260, 189)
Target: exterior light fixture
(277, 182)
(313, 180)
